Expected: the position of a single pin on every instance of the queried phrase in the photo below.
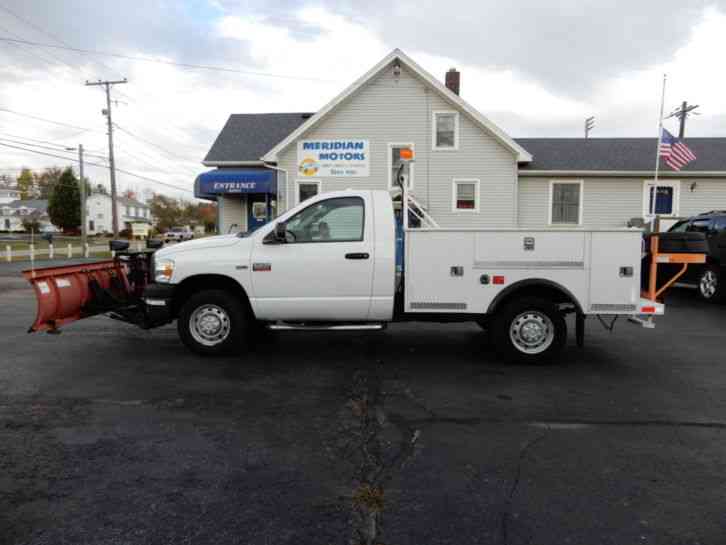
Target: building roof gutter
(233, 163)
(524, 173)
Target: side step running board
(326, 327)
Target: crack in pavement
(515, 484)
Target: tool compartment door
(614, 272)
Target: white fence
(59, 251)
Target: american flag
(674, 152)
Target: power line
(171, 154)
(150, 162)
(57, 39)
(52, 147)
(100, 166)
(170, 63)
(38, 118)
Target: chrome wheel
(532, 332)
(708, 284)
(209, 325)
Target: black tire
(538, 335)
(710, 287)
(221, 310)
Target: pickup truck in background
(331, 264)
(178, 234)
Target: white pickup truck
(331, 263)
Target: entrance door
(258, 211)
(324, 271)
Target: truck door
(324, 271)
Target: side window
(466, 195)
(700, 226)
(719, 223)
(566, 203)
(680, 227)
(446, 130)
(305, 190)
(331, 220)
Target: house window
(466, 196)
(7, 225)
(566, 203)
(394, 163)
(307, 189)
(661, 199)
(128, 210)
(91, 225)
(445, 130)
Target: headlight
(163, 269)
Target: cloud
(534, 70)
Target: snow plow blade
(69, 293)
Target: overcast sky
(534, 68)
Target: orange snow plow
(73, 292)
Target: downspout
(284, 171)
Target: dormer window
(445, 130)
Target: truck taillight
(497, 280)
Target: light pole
(83, 195)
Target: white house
(8, 195)
(468, 171)
(98, 213)
(14, 213)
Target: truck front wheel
(213, 323)
(529, 330)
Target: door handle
(361, 255)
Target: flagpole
(654, 196)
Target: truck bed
(465, 270)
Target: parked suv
(711, 277)
(178, 234)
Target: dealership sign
(338, 158)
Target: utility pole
(682, 113)
(111, 161)
(82, 188)
(589, 125)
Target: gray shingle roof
(609, 154)
(247, 137)
(40, 205)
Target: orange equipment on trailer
(657, 258)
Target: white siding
(607, 202)
(611, 202)
(385, 111)
(231, 211)
(708, 194)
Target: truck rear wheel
(213, 323)
(529, 330)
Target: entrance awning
(227, 181)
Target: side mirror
(281, 232)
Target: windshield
(679, 227)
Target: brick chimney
(453, 80)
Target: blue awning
(226, 181)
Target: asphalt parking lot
(113, 435)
